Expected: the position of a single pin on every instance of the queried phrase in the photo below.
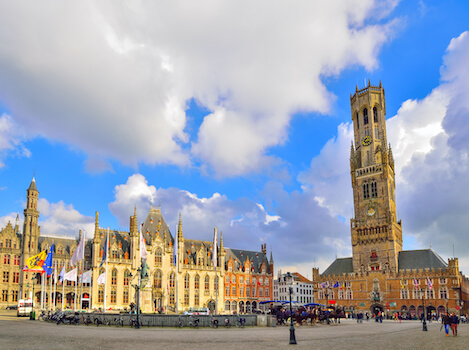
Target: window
(241, 291)
(443, 293)
(358, 121)
(197, 282)
(158, 257)
(215, 284)
(186, 283)
(5, 295)
(101, 295)
(349, 294)
(375, 114)
(16, 260)
(442, 280)
(196, 299)
(171, 297)
(248, 292)
(6, 276)
(374, 190)
(404, 294)
(6, 259)
(113, 296)
(16, 277)
(227, 305)
(366, 191)
(157, 279)
(8, 243)
(207, 283)
(125, 296)
(171, 280)
(254, 292)
(126, 277)
(376, 133)
(186, 298)
(227, 290)
(15, 295)
(114, 277)
(365, 116)
(267, 292)
(114, 254)
(233, 279)
(233, 290)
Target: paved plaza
(21, 333)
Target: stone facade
(195, 283)
(380, 275)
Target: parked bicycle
(214, 323)
(227, 323)
(193, 321)
(241, 322)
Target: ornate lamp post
(142, 274)
(32, 316)
(424, 316)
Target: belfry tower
(376, 233)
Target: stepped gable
(420, 259)
(339, 266)
(256, 258)
(155, 228)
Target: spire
(96, 225)
(271, 257)
(32, 186)
(134, 222)
(180, 228)
(221, 242)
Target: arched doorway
(241, 307)
(376, 308)
(431, 312)
(158, 301)
(412, 312)
(254, 305)
(85, 301)
(248, 307)
(441, 310)
(211, 306)
(69, 300)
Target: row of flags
(416, 283)
(336, 285)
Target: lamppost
(424, 316)
(137, 287)
(292, 328)
(32, 316)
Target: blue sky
(234, 114)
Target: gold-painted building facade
(194, 283)
(380, 275)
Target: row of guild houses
(237, 282)
(380, 275)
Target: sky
(236, 115)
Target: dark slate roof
(155, 227)
(420, 259)
(339, 266)
(32, 186)
(240, 257)
(193, 249)
(44, 242)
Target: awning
(315, 304)
(270, 301)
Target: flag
(85, 277)
(143, 247)
(326, 284)
(55, 272)
(215, 247)
(430, 284)
(35, 263)
(258, 282)
(336, 285)
(343, 285)
(62, 274)
(49, 261)
(71, 275)
(79, 252)
(102, 278)
(416, 283)
(402, 284)
(104, 253)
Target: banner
(102, 278)
(85, 277)
(35, 263)
(71, 275)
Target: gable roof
(420, 259)
(240, 257)
(339, 266)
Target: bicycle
(227, 323)
(214, 323)
(119, 321)
(193, 322)
(241, 322)
(180, 323)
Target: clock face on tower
(367, 140)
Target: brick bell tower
(376, 233)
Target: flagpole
(55, 285)
(105, 284)
(76, 286)
(50, 292)
(176, 264)
(63, 291)
(89, 297)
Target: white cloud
(115, 80)
(11, 139)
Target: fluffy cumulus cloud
(12, 139)
(114, 79)
(60, 219)
(296, 232)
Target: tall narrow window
(365, 116)
(376, 133)
(358, 121)
(158, 257)
(366, 191)
(375, 114)
(374, 190)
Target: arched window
(186, 282)
(126, 277)
(114, 277)
(113, 295)
(196, 282)
(365, 116)
(157, 276)
(374, 190)
(215, 284)
(172, 280)
(375, 114)
(196, 299)
(186, 298)
(207, 283)
(227, 305)
(158, 257)
(366, 191)
(358, 121)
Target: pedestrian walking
(446, 321)
(454, 324)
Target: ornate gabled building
(380, 275)
(193, 282)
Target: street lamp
(292, 328)
(137, 287)
(32, 316)
(424, 315)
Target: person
(454, 323)
(446, 321)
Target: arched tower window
(366, 191)
(365, 116)
(375, 114)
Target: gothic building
(241, 279)
(380, 275)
